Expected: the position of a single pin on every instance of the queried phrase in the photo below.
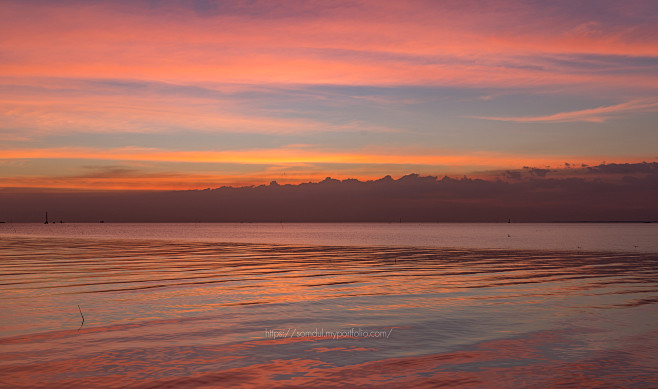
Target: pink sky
(245, 92)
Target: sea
(281, 305)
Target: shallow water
(187, 313)
(627, 237)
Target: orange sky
(221, 93)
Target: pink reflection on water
(185, 314)
(523, 362)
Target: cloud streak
(592, 115)
(293, 155)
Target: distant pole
(46, 222)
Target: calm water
(372, 305)
(549, 236)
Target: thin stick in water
(83, 317)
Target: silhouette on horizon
(628, 194)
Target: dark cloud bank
(613, 192)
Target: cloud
(260, 74)
(411, 198)
(290, 155)
(606, 172)
(594, 115)
(112, 171)
(624, 168)
(299, 42)
(69, 106)
(539, 172)
(159, 169)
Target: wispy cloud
(593, 115)
(315, 43)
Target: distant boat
(46, 222)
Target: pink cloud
(595, 115)
(389, 43)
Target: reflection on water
(624, 237)
(191, 314)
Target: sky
(144, 95)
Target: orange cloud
(286, 165)
(290, 156)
